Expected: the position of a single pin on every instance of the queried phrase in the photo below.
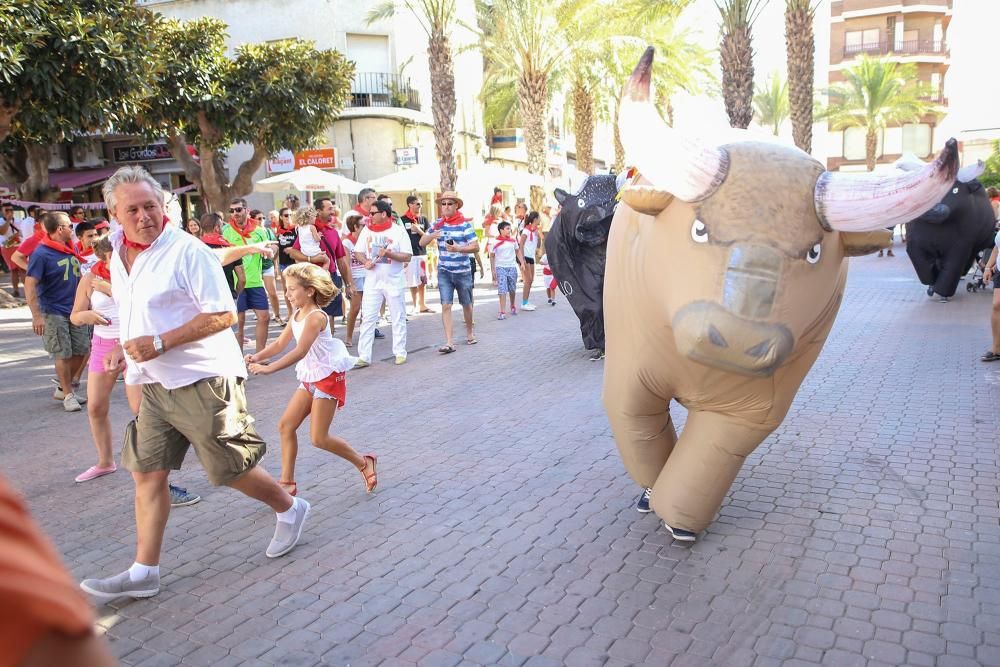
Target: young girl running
(322, 361)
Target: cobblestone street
(864, 531)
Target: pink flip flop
(93, 472)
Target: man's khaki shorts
(210, 414)
(63, 339)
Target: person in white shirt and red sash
(175, 311)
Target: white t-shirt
(386, 274)
(308, 244)
(175, 279)
(530, 242)
(27, 227)
(357, 268)
(505, 251)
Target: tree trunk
(736, 59)
(871, 144)
(583, 125)
(799, 47)
(443, 104)
(209, 174)
(619, 164)
(532, 94)
(36, 187)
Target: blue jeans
(449, 283)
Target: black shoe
(597, 355)
(680, 534)
(930, 291)
(642, 505)
(379, 334)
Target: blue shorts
(252, 298)
(449, 283)
(506, 279)
(336, 307)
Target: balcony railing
(381, 89)
(907, 48)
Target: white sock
(288, 516)
(139, 571)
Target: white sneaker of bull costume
(852, 204)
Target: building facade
(902, 31)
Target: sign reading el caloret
(142, 153)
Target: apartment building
(904, 31)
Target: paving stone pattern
(864, 531)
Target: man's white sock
(288, 516)
(139, 571)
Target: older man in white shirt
(175, 311)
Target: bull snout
(713, 335)
(751, 280)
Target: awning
(77, 178)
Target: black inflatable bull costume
(576, 247)
(943, 242)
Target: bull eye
(813, 255)
(581, 203)
(954, 191)
(699, 233)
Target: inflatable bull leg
(643, 430)
(701, 469)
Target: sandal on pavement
(990, 356)
(371, 478)
(291, 487)
(446, 349)
(427, 310)
(471, 341)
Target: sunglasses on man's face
(374, 213)
(447, 203)
(238, 209)
(286, 215)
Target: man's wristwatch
(158, 345)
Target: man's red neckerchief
(60, 247)
(321, 225)
(457, 218)
(136, 246)
(247, 231)
(413, 217)
(380, 227)
(215, 239)
(501, 240)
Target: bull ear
(646, 199)
(561, 195)
(856, 244)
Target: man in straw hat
(456, 241)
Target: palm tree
(799, 48)
(436, 18)
(736, 57)
(529, 43)
(875, 94)
(771, 103)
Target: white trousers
(371, 302)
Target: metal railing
(382, 89)
(908, 47)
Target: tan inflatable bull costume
(725, 270)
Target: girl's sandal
(371, 478)
(291, 487)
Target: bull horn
(646, 199)
(688, 169)
(852, 202)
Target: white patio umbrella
(421, 178)
(308, 179)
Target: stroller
(974, 277)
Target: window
(862, 41)
(917, 139)
(854, 143)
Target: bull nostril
(716, 337)
(761, 349)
